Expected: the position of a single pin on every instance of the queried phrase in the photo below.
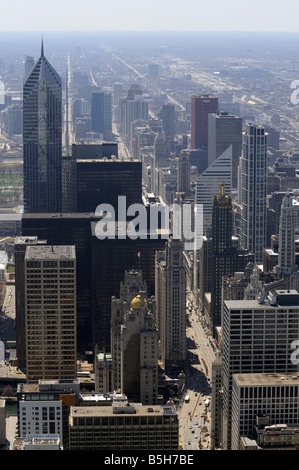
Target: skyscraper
(257, 338)
(132, 285)
(226, 258)
(168, 119)
(183, 173)
(225, 129)
(253, 186)
(42, 139)
(138, 340)
(101, 114)
(170, 279)
(208, 184)
(50, 312)
(20, 246)
(201, 106)
(286, 267)
(98, 113)
(29, 64)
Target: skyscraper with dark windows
(98, 112)
(168, 119)
(42, 138)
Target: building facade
(201, 107)
(225, 130)
(272, 395)
(50, 312)
(257, 338)
(253, 186)
(124, 427)
(170, 280)
(42, 139)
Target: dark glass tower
(42, 139)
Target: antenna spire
(42, 47)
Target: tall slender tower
(286, 267)
(226, 258)
(42, 138)
(170, 279)
(254, 190)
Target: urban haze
(116, 333)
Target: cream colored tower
(50, 312)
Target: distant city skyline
(165, 15)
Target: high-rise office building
(20, 246)
(170, 293)
(42, 139)
(253, 186)
(167, 115)
(257, 338)
(208, 184)
(137, 108)
(14, 123)
(225, 129)
(110, 258)
(117, 93)
(286, 267)
(50, 312)
(101, 115)
(98, 113)
(103, 180)
(29, 64)
(108, 116)
(184, 173)
(160, 148)
(201, 107)
(226, 258)
(270, 395)
(101, 264)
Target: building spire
(222, 189)
(42, 48)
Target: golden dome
(136, 303)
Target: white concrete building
(272, 394)
(257, 338)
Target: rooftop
(277, 298)
(266, 379)
(49, 252)
(138, 409)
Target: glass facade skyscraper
(42, 139)
(253, 190)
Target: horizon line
(146, 31)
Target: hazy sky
(150, 15)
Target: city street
(195, 416)
(8, 315)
